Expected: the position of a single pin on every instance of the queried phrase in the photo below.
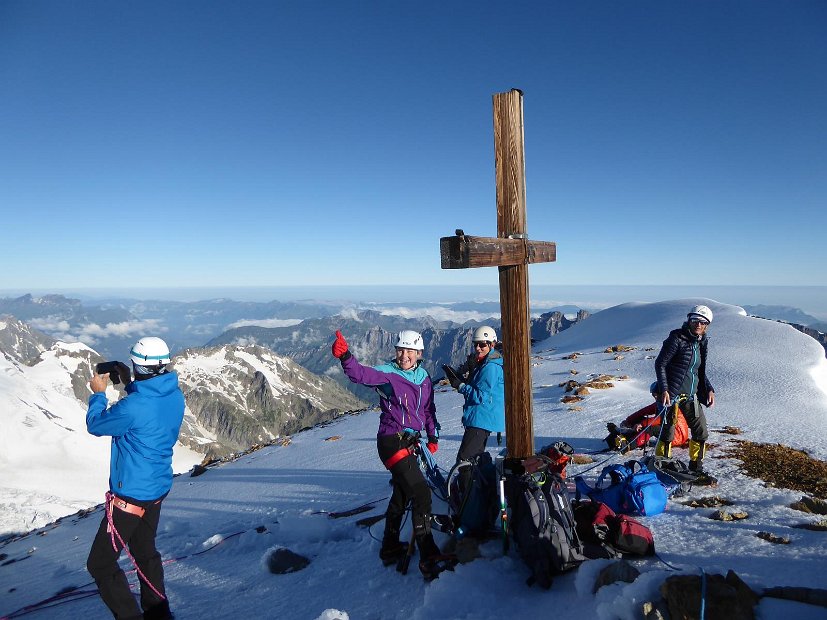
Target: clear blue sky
(272, 143)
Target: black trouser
(473, 443)
(139, 534)
(409, 485)
(695, 420)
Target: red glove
(340, 346)
(433, 446)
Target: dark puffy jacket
(675, 360)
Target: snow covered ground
(217, 528)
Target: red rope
(113, 533)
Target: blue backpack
(631, 489)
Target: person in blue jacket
(144, 427)
(484, 390)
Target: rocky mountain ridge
(248, 394)
(235, 396)
(371, 336)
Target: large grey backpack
(543, 526)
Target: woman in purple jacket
(406, 401)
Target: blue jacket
(406, 397)
(144, 426)
(680, 353)
(484, 394)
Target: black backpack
(474, 505)
(543, 526)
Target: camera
(113, 368)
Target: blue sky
(150, 144)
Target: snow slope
(765, 375)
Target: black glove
(123, 372)
(452, 376)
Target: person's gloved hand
(433, 444)
(452, 376)
(339, 348)
(124, 373)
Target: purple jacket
(406, 397)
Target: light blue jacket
(144, 426)
(484, 394)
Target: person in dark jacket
(407, 411)
(683, 384)
(144, 426)
(483, 388)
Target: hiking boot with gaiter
(392, 551)
(433, 561)
(392, 548)
(703, 479)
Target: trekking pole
(405, 560)
(503, 515)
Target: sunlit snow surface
(769, 381)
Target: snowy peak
(248, 394)
(20, 342)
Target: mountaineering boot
(697, 449)
(392, 548)
(433, 561)
(696, 458)
(159, 612)
(392, 551)
(431, 569)
(664, 448)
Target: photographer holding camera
(144, 427)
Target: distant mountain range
(111, 326)
(371, 336)
(787, 314)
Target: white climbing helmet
(150, 351)
(700, 312)
(484, 334)
(409, 339)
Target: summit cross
(511, 252)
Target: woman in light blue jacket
(484, 392)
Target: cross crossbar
(464, 252)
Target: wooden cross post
(511, 252)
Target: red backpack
(608, 534)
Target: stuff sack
(473, 499)
(590, 519)
(543, 526)
(606, 534)
(627, 489)
(673, 474)
(630, 536)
